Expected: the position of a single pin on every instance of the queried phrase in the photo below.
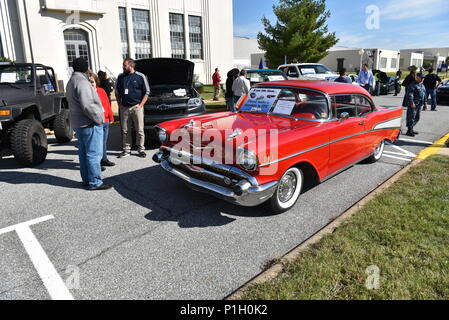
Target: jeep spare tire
(63, 128)
(29, 143)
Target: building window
(124, 32)
(394, 63)
(177, 36)
(142, 35)
(196, 37)
(77, 45)
(383, 63)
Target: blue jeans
(90, 149)
(230, 103)
(433, 97)
(105, 141)
(413, 116)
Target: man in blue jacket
(415, 100)
(132, 92)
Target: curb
(276, 269)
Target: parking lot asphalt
(153, 238)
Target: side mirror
(198, 85)
(344, 116)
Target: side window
(344, 103)
(45, 85)
(293, 72)
(364, 106)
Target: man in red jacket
(216, 80)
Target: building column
(129, 25)
(206, 39)
(6, 37)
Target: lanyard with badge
(127, 84)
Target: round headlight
(247, 160)
(195, 102)
(163, 136)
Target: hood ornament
(235, 134)
(191, 124)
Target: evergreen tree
(300, 34)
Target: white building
(430, 56)
(106, 31)
(247, 53)
(411, 58)
(353, 58)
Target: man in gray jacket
(87, 117)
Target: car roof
(328, 87)
(302, 64)
(261, 70)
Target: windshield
(266, 76)
(15, 75)
(314, 69)
(291, 102)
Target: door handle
(362, 123)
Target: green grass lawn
(404, 232)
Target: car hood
(10, 96)
(231, 127)
(166, 71)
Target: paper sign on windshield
(261, 100)
(308, 71)
(276, 78)
(284, 107)
(9, 77)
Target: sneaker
(102, 187)
(142, 155)
(107, 163)
(415, 132)
(410, 133)
(124, 155)
(103, 169)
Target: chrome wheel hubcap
(379, 150)
(287, 187)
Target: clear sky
(402, 23)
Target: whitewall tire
(288, 191)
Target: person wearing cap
(415, 100)
(87, 118)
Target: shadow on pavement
(15, 178)
(170, 200)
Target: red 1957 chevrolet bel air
(285, 135)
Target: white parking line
(49, 275)
(417, 141)
(397, 158)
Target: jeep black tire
(62, 127)
(29, 143)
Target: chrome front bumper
(244, 192)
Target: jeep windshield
(292, 103)
(15, 75)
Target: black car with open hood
(443, 93)
(173, 93)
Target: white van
(308, 71)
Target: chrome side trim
(325, 145)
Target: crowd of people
(420, 90)
(89, 98)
